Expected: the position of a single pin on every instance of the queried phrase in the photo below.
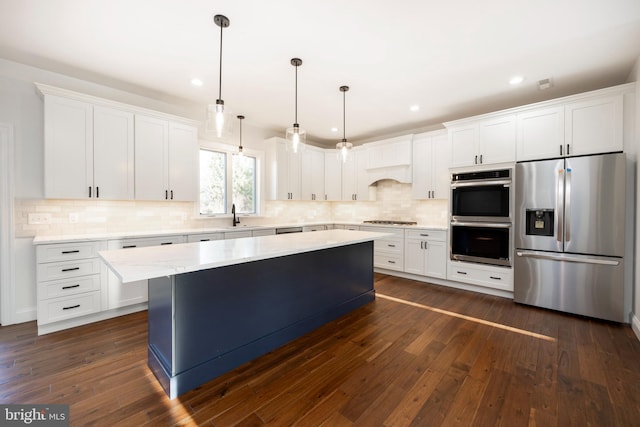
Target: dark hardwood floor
(420, 355)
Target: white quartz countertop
(158, 261)
(51, 239)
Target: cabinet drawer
(389, 246)
(145, 242)
(66, 251)
(65, 270)
(204, 237)
(440, 235)
(389, 262)
(59, 288)
(492, 277)
(56, 309)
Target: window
(227, 178)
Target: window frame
(231, 150)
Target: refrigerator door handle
(559, 203)
(567, 258)
(567, 206)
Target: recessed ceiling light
(414, 108)
(196, 82)
(516, 80)
(334, 129)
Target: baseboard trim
(635, 325)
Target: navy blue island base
(205, 323)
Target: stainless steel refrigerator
(570, 235)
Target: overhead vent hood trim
(397, 173)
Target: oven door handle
(482, 224)
(458, 184)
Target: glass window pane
(244, 183)
(213, 182)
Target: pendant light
(219, 121)
(344, 146)
(240, 150)
(294, 134)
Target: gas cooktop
(390, 222)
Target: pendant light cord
(296, 103)
(344, 115)
(220, 75)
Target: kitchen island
(216, 305)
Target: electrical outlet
(39, 218)
(73, 218)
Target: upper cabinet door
(332, 176)
(183, 164)
(151, 163)
(540, 134)
(312, 174)
(497, 140)
(68, 148)
(464, 145)
(441, 180)
(422, 173)
(594, 126)
(113, 150)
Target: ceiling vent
(544, 84)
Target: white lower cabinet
(425, 252)
(388, 252)
(204, 237)
(263, 232)
(124, 294)
(69, 281)
(479, 274)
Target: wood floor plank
(426, 355)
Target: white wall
(635, 323)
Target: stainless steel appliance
(481, 220)
(481, 196)
(570, 235)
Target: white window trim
(260, 177)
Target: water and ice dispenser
(539, 222)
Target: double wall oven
(481, 219)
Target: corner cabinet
(332, 175)
(312, 171)
(430, 166)
(88, 150)
(166, 159)
(283, 170)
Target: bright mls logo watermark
(34, 415)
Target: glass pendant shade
(219, 121)
(343, 148)
(296, 138)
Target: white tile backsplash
(393, 202)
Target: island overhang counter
(216, 305)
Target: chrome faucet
(233, 211)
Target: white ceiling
(453, 58)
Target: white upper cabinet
(540, 133)
(355, 181)
(283, 170)
(183, 162)
(483, 142)
(165, 166)
(101, 149)
(152, 142)
(594, 126)
(312, 180)
(332, 176)
(497, 140)
(88, 150)
(68, 148)
(113, 153)
(430, 166)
